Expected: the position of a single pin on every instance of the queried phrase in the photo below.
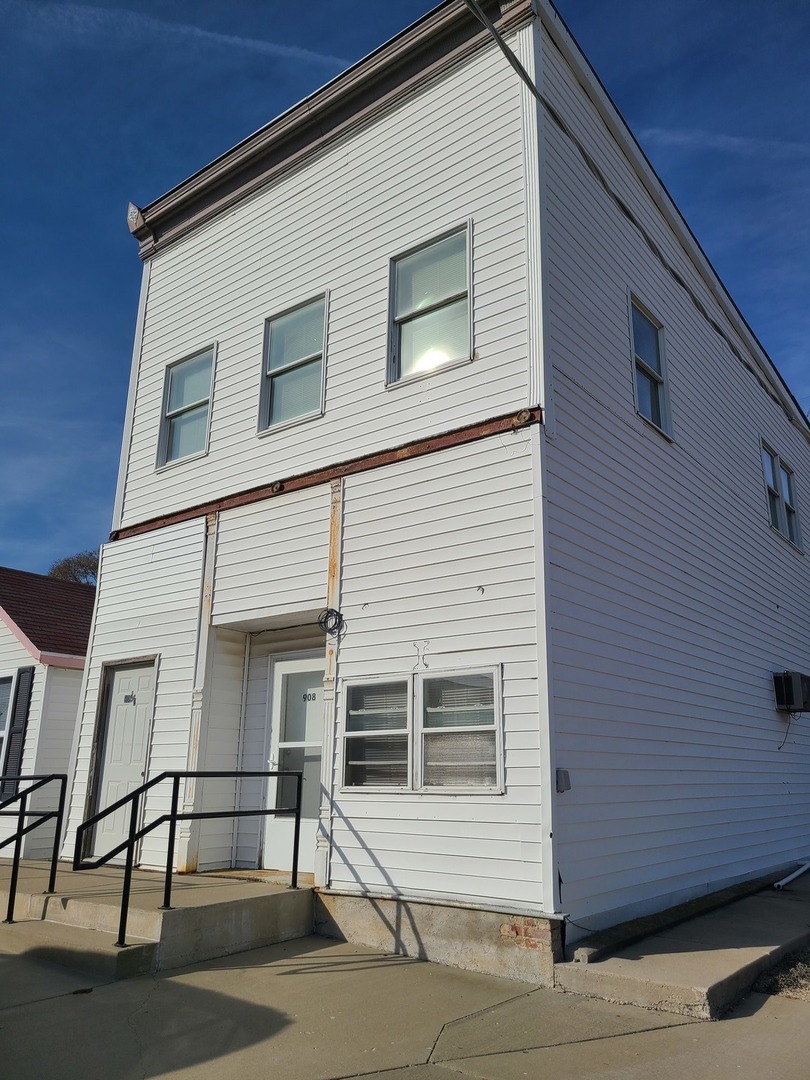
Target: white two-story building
(435, 352)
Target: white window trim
(346, 736)
(262, 429)
(665, 428)
(416, 729)
(163, 438)
(780, 462)
(392, 379)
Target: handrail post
(60, 813)
(15, 865)
(133, 828)
(299, 780)
(167, 888)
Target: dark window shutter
(15, 733)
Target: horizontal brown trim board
(417, 448)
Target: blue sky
(115, 100)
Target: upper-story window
(650, 371)
(293, 380)
(430, 307)
(781, 495)
(186, 407)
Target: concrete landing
(212, 915)
(700, 967)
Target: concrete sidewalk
(702, 965)
(318, 1010)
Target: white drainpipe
(787, 880)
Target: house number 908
(309, 697)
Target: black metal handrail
(136, 834)
(22, 828)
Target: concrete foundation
(495, 943)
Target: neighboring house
(442, 356)
(44, 629)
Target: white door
(296, 739)
(122, 764)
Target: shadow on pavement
(143, 1027)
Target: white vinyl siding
(301, 235)
(148, 605)
(54, 742)
(219, 750)
(272, 558)
(669, 602)
(60, 709)
(438, 576)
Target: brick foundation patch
(530, 933)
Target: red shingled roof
(54, 615)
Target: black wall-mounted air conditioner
(792, 691)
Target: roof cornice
(443, 37)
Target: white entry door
(296, 739)
(122, 762)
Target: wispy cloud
(105, 24)
(742, 146)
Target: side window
(652, 399)
(293, 368)
(430, 307)
(780, 487)
(186, 407)
(376, 741)
(459, 727)
(424, 732)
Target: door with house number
(124, 741)
(296, 740)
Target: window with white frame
(426, 732)
(293, 380)
(186, 407)
(430, 307)
(5, 705)
(377, 735)
(781, 495)
(650, 373)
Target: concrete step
(91, 913)
(78, 949)
(212, 916)
(700, 967)
(188, 935)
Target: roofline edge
(612, 116)
(444, 36)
